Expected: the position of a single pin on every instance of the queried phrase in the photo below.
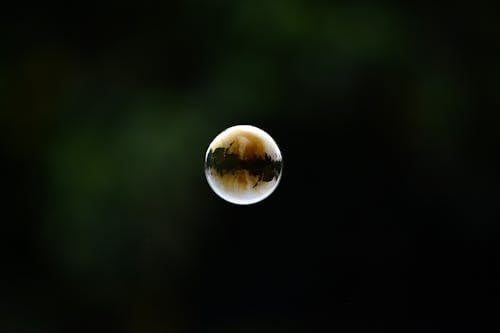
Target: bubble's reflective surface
(243, 164)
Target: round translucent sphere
(243, 165)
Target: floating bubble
(243, 164)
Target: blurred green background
(387, 119)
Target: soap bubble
(243, 164)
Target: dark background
(386, 214)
